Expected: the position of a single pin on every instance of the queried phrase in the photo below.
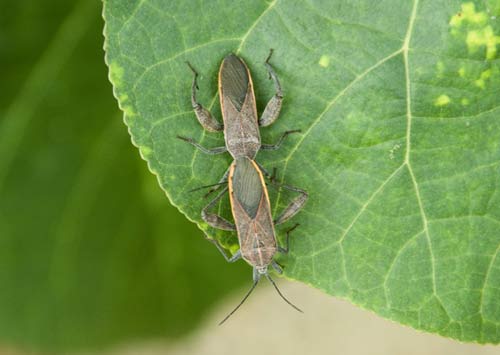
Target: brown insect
(250, 205)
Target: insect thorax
(243, 147)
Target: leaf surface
(400, 144)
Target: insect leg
(288, 232)
(214, 187)
(206, 186)
(294, 206)
(231, 259)
(215, 220)
(211, 151)
(276, 267)
(221, 182)
(273, 107)
(264, 171)
(204, 116)
(278, 144)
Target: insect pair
(246, 179)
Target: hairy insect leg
(278, 144)
(273, 107)
(236, 256)
(211, 151)
(214, 220)
(202, 114)
(294, 206)
(277, 267)
(288, 232)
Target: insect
(250, 205)
(254, 225)
(239, 111)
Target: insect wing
(252, 212)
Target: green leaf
(91, 252)
(400, 144)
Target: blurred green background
(91, 252)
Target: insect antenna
(279, 293)
(205, 186)
(242, 301)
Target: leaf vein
(175, 56)
(393, 263)
(406, 47)
(334, 100)
(486, 277)
(257, 20)
(368, 202)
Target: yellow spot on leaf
(145, 151)
(125, 105)
(486, 74)
(324, 61)
(129, 110)
(481, 82)
(468, 14)
(484, 37)
(464, 101)
(116, 74)
(442, 100)
(461, 72)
